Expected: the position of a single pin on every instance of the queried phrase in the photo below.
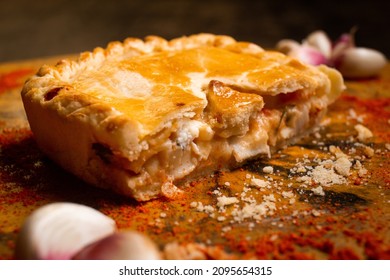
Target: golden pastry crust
(139, 115)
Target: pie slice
(140, 116)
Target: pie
(141, 116)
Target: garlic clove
(286, 46)
(304, 53)
(308, 55)
(361, 63)
(127, 245)
(60, 230)
(321, 42)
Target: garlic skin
(126, 245)
(361, 63)
(59, 230)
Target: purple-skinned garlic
(126, 245)
(59, 230)
(352, 62)
(304, 53)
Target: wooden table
(348, 220)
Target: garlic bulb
(361, 63)
(127, 245)
(60, 230)
(352, 62)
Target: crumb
(194, 204)
(318, 191)
(368, 151)
(289, 194)
(221, 218)
(342, 166)
(268, 169)
(258, 183)
(163, 215)
(337, 152)
(363, 132)
(315, 213)
(224, 200)
(226, 229)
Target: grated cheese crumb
(268, 169)
(315, 213)
(259, 183)
(301, 168)
(208, 209)
(337, 152)
(354, 115)
(193, 204)
(221, 218)
(224, 200)
(362, 172)
(163, 215)
(226, 229)
(368, 151)
(342, 166)
(363, 132)
(360, 169)
(288, 194)
(326, 176)
(318, 191)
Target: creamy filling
(193, 146)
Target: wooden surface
(350, 220)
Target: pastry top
(141, 86)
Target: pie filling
(215, 139)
